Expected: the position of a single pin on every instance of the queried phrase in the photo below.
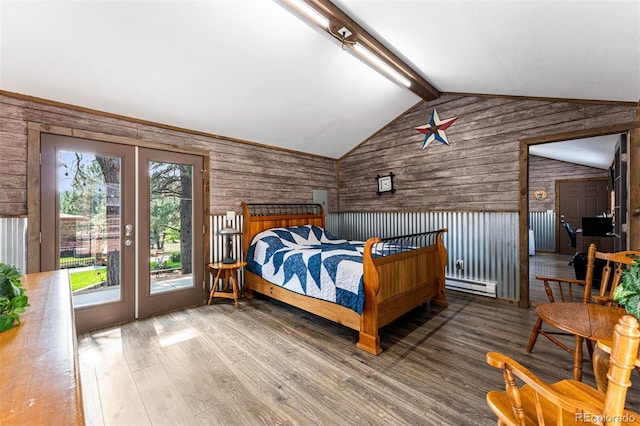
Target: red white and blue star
(434, 131)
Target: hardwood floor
(549, 265)
(267, 363)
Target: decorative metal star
(434, 131)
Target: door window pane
(170, 226)
(89, 226)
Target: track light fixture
(378, 63)
(310, 13)
(331, 19)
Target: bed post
(441, 298)
(246, 230)
(368, 338)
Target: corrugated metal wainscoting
(485, 242)
(218, 243)
(543, 225)
(13, 242)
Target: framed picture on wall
(385, 184)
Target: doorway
(622, 131)
(122, 219)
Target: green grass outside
(169, 265)
(83, 279)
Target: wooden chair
(614, 266)
(568, 401)
(560, 290)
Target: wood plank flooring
(268, 363)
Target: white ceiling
(594, 152)
(251, 70)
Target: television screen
(596, 226)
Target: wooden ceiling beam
(339, 19)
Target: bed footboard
(400, 274)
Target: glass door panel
(87, 202)
(170, 226)
(89, 224)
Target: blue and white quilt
(309, 260)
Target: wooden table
(585, 320)
(39, 371)
(228, 272)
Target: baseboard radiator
(483, 288)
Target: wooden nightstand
(229, 274)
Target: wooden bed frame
(393, 285)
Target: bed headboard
(260, 217)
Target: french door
(170, 219)
(126, 222)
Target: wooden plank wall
(239, 171)
(544, 172)
(478, 171)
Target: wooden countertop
(39, 370)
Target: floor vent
(483, 288)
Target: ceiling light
(334, 21)
(378, 63)
(310, 13)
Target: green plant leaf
(10, 271)
(18, 304)
(627, 293)
(6, 322)
(13, 301)
(6, 289)
(21, 301)
(633, 305)
(621, 294)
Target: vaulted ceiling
(251, 70)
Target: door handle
(128, 230)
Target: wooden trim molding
(103, 137)
(633, 163)
(586, 133)
(523, 225)
(33, 199)
(544, 99)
